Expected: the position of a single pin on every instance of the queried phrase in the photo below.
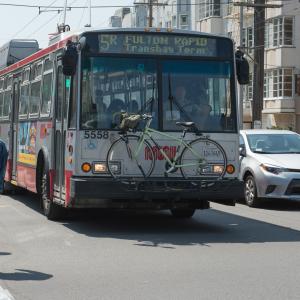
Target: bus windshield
(190, 90)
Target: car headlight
(273, 169)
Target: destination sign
(157, 44)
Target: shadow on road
(278, 204)
(26, 197)
(5, 253)
(22, 274)
(152, 229)
(161, 229)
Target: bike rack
(156, 185)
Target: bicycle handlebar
(146, 117)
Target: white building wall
(281, 112)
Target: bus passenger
(133, 106)
(113, 112)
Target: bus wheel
(51, 210)
(183, 213)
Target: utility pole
(241, 91)
(258, 69)
(150, 5)
(259, 51)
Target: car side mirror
(242, 68)
(242, 151)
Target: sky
(21, 22)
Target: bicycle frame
(173, 164)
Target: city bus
(60, 110)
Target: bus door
(61, 109)
(14, 125)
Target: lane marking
(5, 294)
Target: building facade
(281, 102)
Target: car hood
(290, 161)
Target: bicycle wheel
(203, 159)
(125, 161)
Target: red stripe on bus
(7, 176)
(36, 56)
(51, 183)
(26, 177)
(68, 175)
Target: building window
(183, 20)
(174, 21)
(229, 8)
(248, 39)
(209, 8)
(278, 83)
(249, 90)
(279, 32)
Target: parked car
(270, 165)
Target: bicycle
(190, 160)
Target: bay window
(279, 32)
(278, 83)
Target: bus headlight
(213, 169)
(218, 169)
(115, 167)
(100, 167)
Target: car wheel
(251, 192)
(183, 213)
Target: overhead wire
(82, 15)
(31, 21)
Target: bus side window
(47, 94)
(24, 101)
(35, 94)
(6, 103)
(1, 103)
(72, 106)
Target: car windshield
(274, 143)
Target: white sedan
(270, 164)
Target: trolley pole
(89, 24)
(65, 12)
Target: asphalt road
(221, 253)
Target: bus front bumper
(157, 193)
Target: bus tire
(182, 213)
(51, 210)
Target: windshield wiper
(263, 152)
(289, 152)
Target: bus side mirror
(69, 60)
(242, 151)
(242, 68)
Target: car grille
(293, 188)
